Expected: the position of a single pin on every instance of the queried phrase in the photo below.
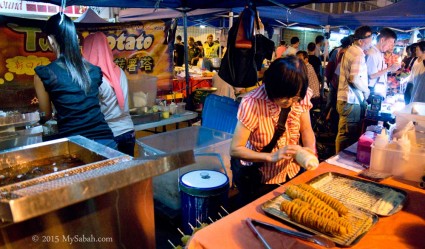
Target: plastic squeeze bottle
(378, 157)
(306, 159)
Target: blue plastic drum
(202, 193)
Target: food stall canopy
(270, 14)
(217, 16)
(90, 17)
(191, 4)
(137, 14)
(406, 14)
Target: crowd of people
(89, 94)
(356, 70)
(197, 51)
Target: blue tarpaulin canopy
(191, 4)
(405, 14)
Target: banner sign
(139, 48)
(36, 8)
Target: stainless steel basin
(103, 170)
(146, 118)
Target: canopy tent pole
(186, 54)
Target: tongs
(320, 240)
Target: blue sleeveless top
(78, 113)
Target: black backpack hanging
(245, 51)
(238, 66)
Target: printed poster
(141, 49)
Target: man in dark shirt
(314, 60)
(178, 52)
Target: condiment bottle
(378, 157)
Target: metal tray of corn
(364, 199)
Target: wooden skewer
(224, 209)
(181, 232)
(199, 222)
(171, 243)
(193, 229)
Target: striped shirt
(260, 116)
(353, 63)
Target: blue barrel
(202, 193)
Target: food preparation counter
(76, 193)
(404, 229)
(173, 119)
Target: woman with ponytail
(71, 84)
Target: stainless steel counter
(111, 195)
(20, 138)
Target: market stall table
(173, 119)
(404, 229)
(179, 83)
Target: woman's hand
(286, 152)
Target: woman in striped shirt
(285, 85)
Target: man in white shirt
(293, 48)
(352, 89)
(376, 68)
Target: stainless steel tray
(361, 221)
(365, 200)
(377, 198)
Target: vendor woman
(285, 87)
(72, 85)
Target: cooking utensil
(256, 233)
(305, 236)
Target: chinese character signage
(139, 48)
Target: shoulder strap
(350, 84)
(279, 130)
(356, 93)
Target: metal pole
(230, 19)
(186, 55)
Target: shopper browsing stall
(377, 69)
(352, 89)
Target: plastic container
(404, 164)
(202, 192)
(379, 162)
(165, 112)
(220, 113)
(181, 108)
(412, 112)
(364, 147)
(211, 148)
(142, 92)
